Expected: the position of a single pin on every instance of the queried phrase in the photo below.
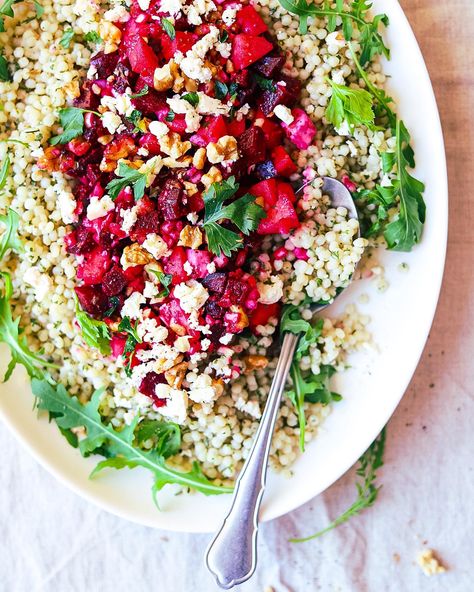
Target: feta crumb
(158, 128)
(205, 344)
(188, 268)
(202, 390)
(98, 208)
(150, 332)
(176, 403)
(67, 207)
(172, 7)
(228, 16)
(226, 339)
(429, 563)
(211, 267)
(193, 217)
(131, 306)
(111, 122)
(271, 293)
(144, 4)
(41, 282)
(182, 344)
(120, 104)
(208, 105)
(191, 295)
(192, 118)
(117, 14)
(155, 245)
(283, 113)
(193, 63)
(129, 218)
(250, 407)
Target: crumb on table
(429, 563)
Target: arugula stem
(300, 400)
(319, 12)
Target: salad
(164, 219)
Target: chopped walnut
(164, 77)
(178, 329)
(172, 163)
(243, 318)
(254, 362)
(104, 140)
(135, 255)
(111, 36)
(218, 386)
(190, 236)
(213, 176)
(163, 364)
(175, 375)
(199, 158)
(172, 145)
(191, 188)
(116, 150)
(224, 150)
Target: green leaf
(10, 333)
(221, 90)
(38, 9)
(166, 436)
(165, 280)
(93, 37)
(353, 105)
(264, 83)
(67, 38)
(367, 489)
(72, 121)
(10, 239)
(142, 93)
(6, 8)
(168, 28)
(95, 333)
(192, 98)
(127, 177)
(118, 446)
(243, 212)
(5, 75)
(4, 171)
(170, 116)
(292, 321)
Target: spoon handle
(232, 555)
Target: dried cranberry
(170, 200)
(270, 65)
(234, 293)
(252, 146)
(214, 310)
(215, 282)
(266, 170)
(114, 282)
(92, 300)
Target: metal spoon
(232, 555)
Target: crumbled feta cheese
(191, 295)
(151, 168)
(226, 339)
(67, 207)
(283, 113)
(158, 128)
(117, 14)
(111, 121)
(182, 344)
(193, 217)
(193, 63)
(188, 268)
(131, 306)
(119, 103)
(173, 7)
(271, 293)
(129, 218)
(155, 245)
(228, 16)
(150, 290)
(211, 267)
(208, 105)
(205, 344)
(202, 390)
(150, 332)
(144, 5)
(192, 118)
(176, 404)
(336, 40)
(250, 407)
(98, 208)
(41, 282)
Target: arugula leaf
(117, 446)
(67, 38)
(4, 171)
(243, 212)
(166, 436)
(142, 93)
(127, 177)
(355, 17)
(38, 9)
(367, 490)
(5, 75)
(10, 333)
(353, 105)
(9, 239)
(93, 37)
(168, 28)
(72, 121)
(292, 321)
(192, 98)
(95, 333)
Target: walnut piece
(224, 150)
(199, 158)
(175, 375)
(163, 364)
(135, 255)
(110, 35)
(254, 362)
(190, 236)
(213, 176)
(164, 77)
(172, 145)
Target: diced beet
(266, 189)
(252, 146)
(247, 49)
(212, 129)
(105, 63)
(236, 127)
(171, 314)
(216, 332)
(174, 265)
(148, 386)
(272, 131)
(214, 310)
(270, 65)
(301, 131)
(281, 218)
(234, 293)
(87, 99)
(80, 241)
(178, 124)
(142, 58)
(170, 232)
(199, 261)
(94, 266)
(171, 200)
(151, 103)
(117, 344)
(150, 143)
(182, 42)
(147, 223)
(92, 300)
(135, 278)
(283, 164)
(266, 170)
(263, 313)
(215, 282)
(250, 21)
(285, 93)
(114, 281)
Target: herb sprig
(95, 333)
(352, 105)
(367, 489)
(127, 176)
(71, 120)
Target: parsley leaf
(72, 121)
(367, 490)
(192, 98)
(165, 280)
(166, 436)
(118, 446)
(128, 176)
(142, 93)
(132, 340)
(95, 333)
(353, 105)
(5, 75)
(9, 239)
(168, 28)
(93, 37)
(67, 38)
(243, 212)
(10, 333)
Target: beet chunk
(171, 200)
(92, 300)
(105, 64)
(287, 94)
(87, 99)
(114, 282)
(82, 241)
(214, 310)
(147, 223)
(147, 387)
(270, 65)
(266, 170)
(235, 293)
(252, 146)
(215, 282)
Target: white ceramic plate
(372, 388)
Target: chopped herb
(114, 302)
(367, 490)
(72, 122)
(221, 90)
(170, 115)
(352, 105)
(93, 37)
(192, 98)
(223, 36)
(136, 117)
(117, 446)
(67, 38)
(132, 340)
(142, 93)
(165, 280)
(168, 28)
(127, 177)
(10, 239)
(5, 75)
(243, 212)
(264, 83)
(4, 172)
(95, 333)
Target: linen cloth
(51, 540)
